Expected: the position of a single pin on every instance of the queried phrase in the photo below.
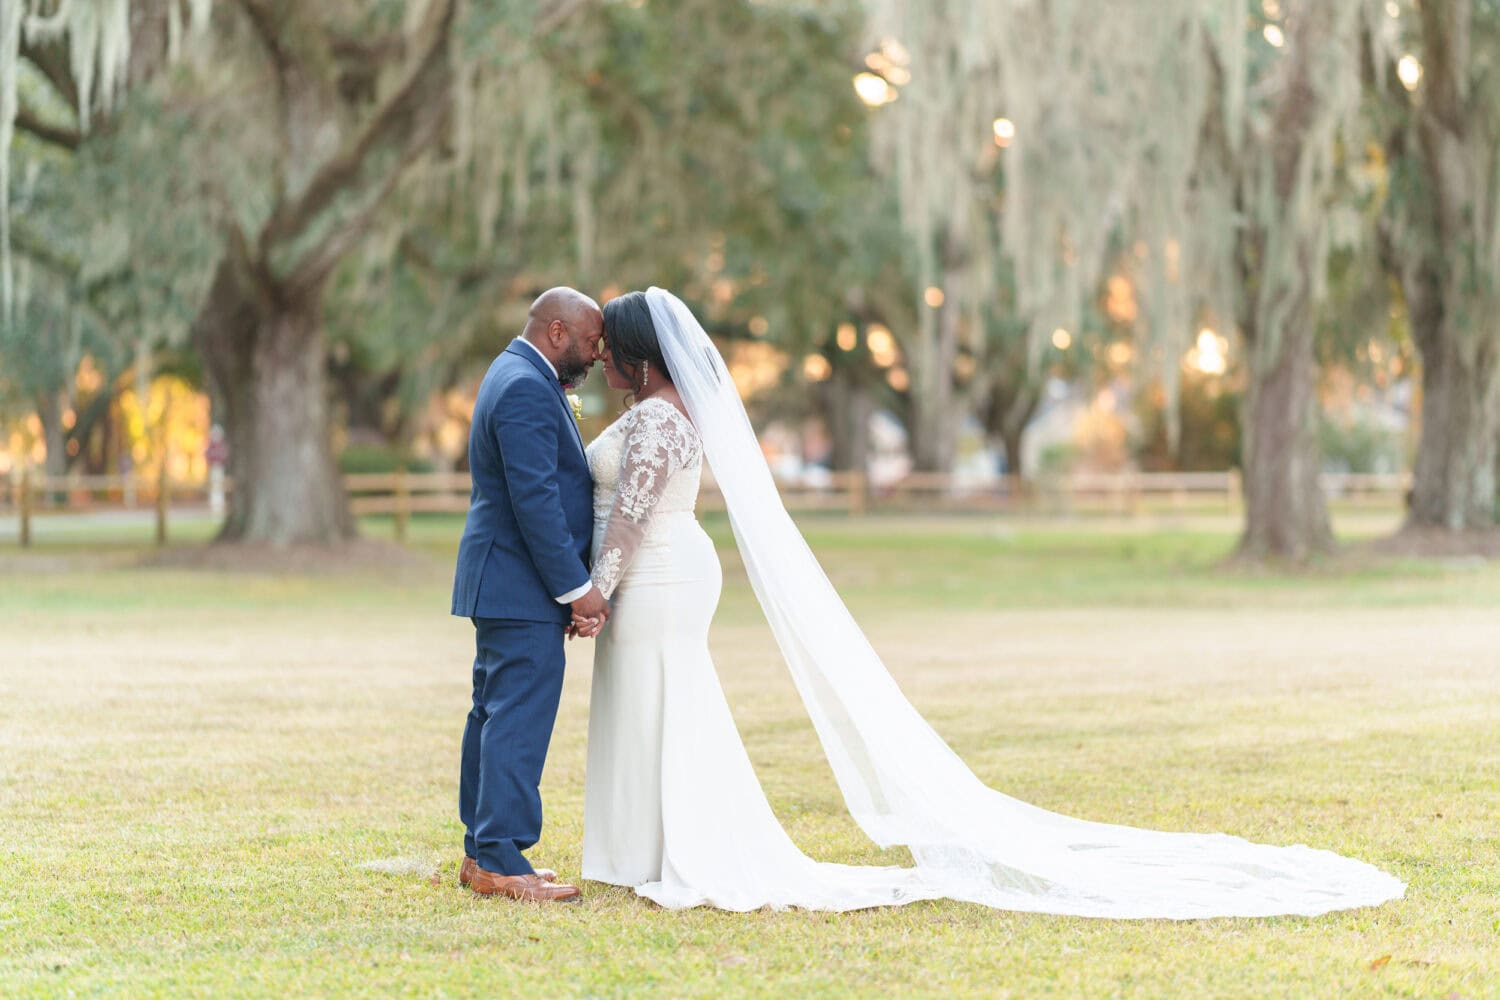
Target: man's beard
(573, 368)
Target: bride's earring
(645, 374)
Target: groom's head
(566, 326)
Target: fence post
(25, 506)
(403, 504)
(859, 493)
(163, 498)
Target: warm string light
(874, 90)
(1119, 303)
(816, 368)
(1409, 71)
(887, 73)
(882, 345)
(1210, 353)
(880, 63)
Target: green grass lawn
(194, 766)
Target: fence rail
(400, 494)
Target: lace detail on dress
(607, 571)
(660, 458)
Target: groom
(522, 576)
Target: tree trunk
(849, 420)
(368, 404)
(1453, 483)
(267, 361)
(1440, 256)
(1010, 412)
(933, 435)
(259, 330)
(936, 416)
(1495, 447)
(1285, 513)
(1011, 438)
(49, 411)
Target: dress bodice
(664, 446)
(645, 465)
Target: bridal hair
(631, 336)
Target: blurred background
(1043, 258)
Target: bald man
(523, 573)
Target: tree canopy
(331, 213)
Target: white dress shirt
(538, 351)
(571, 595)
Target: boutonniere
(576, 402)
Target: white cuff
(574, 595)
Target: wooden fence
(400, 495)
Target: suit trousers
(518, 677)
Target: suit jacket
(531, 518)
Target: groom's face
(584, 344)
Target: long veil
(904, 785)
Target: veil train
(904, 785)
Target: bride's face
(612, 376)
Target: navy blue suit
(525, 543)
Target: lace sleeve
(660, 442)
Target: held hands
(590, 612)
(585, 628)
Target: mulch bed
(1436, 543)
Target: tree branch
(268, 27)
(359, 179)
(249, 269)
(1445, 60)
(368, 52)
(57, 135)
(263, 22)
(42, 252)
(51, 60)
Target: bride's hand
(585, 628)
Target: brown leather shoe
(470, 866)
(531, 888)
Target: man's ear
(557, 330)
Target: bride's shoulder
(662, 422)
(659, 409)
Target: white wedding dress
(672, 805)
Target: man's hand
(590, 612)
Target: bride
(672, 806)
